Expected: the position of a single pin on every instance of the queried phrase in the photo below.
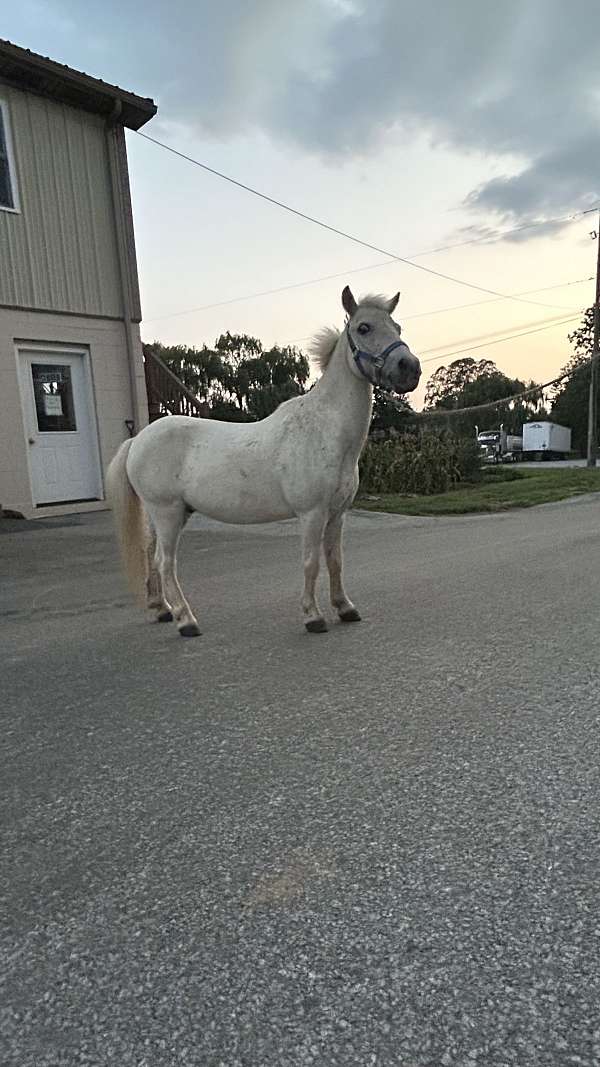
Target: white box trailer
(546, 439)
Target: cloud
(516, 81)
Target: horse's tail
(130, 519)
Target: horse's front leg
(312, 526)
(332, 541)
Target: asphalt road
(262, 847)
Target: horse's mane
(324, 341)
(323, 345)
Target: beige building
(71, 369)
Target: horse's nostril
(408, 365)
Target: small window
(53, 393)
(8, 191)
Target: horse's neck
(349, 394)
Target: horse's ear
(393, 303)
(348, 302)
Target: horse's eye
(364, 327)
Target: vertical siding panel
(75, 270)
(7, 256)
(104, 242)
(48, 205)
(60, 253)
(92, 199)
(34, 231)
(56, 129)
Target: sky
(410, 126)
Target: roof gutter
(38, 74)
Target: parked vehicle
(498, 446)
(546, 440)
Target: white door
(60, 426)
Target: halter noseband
(366, 361)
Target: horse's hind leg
(154, 592)
(332, 543)
(168, 521)
(312, 526)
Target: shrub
(411, 465)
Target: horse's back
(223, 470)
(287, 464)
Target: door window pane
(53, 397)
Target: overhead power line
(471, 304)
(487, 338)
(358, 270)
(268, 292)
(492, 404)
(494, 299)
(500, 340)
(342, 233)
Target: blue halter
(365, 361)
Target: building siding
(60, 252)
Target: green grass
(501, 489)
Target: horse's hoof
(165, 616)
(190, 629)
(316, 626)
(351, 615)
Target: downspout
(121, 223)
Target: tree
(447, 383)
(570, 407)
(283, 373)
(256, 380)
(236, 352)
(392, 413)
(200, 369)
(530, 409)
(511, 416)
(237, 378)
(469, 383)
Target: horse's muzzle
(407, 373)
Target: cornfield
(418, 466)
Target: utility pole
(592, 445)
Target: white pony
(301, 461)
